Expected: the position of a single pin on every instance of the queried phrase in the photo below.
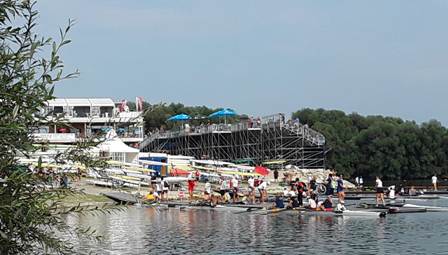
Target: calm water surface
(151, 231)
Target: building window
(81, 111)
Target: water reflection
(174, 231)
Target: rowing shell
(428, 208)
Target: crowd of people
(296, 192)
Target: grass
(85, 198)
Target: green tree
(30, 214)
(377, 145)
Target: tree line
(375, 145)
(358, 145)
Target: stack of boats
(137, 175)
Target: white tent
(116, 149)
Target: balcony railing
(55, 137)
(273, 121)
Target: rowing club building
(81, 118)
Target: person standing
(379, 191)
(79, 173)
(261, 189)
(300, 187)
(361, 182)
(434, 182)
(159, 190)
(165, 188)
(275, 175)
(191, 184)
(330, 189)
(340, 190)
(251, 183)
(313, 184)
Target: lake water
(174, 231)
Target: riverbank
(90, 196)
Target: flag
(123, 105)
(139, 104)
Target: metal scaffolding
(269, 139)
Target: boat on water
(395, 210)
(360, 213)
(380, 206)
(121, 197)
(420, 197)
(428, 208)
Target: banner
(123, 106)
(139, 104)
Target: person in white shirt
(262, 189)
(285, 192)
(392, 192)
(379, 191)
(207, 191)
(312, 203)
(159, 190)
(434, 182)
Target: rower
(312, 201)
(327, 205)
(293, 203)
(391, 192)
(279, 201)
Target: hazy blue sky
(260, 57)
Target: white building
(88, 117)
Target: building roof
(81, 102)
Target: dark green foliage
(384, 146)
(30, 216)
(32, 219)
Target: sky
(259, 57)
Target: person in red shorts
(191, 184)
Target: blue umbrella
(179, 117)
(223, 113)
(226, 112)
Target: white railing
(55, 137)
(273, 121)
